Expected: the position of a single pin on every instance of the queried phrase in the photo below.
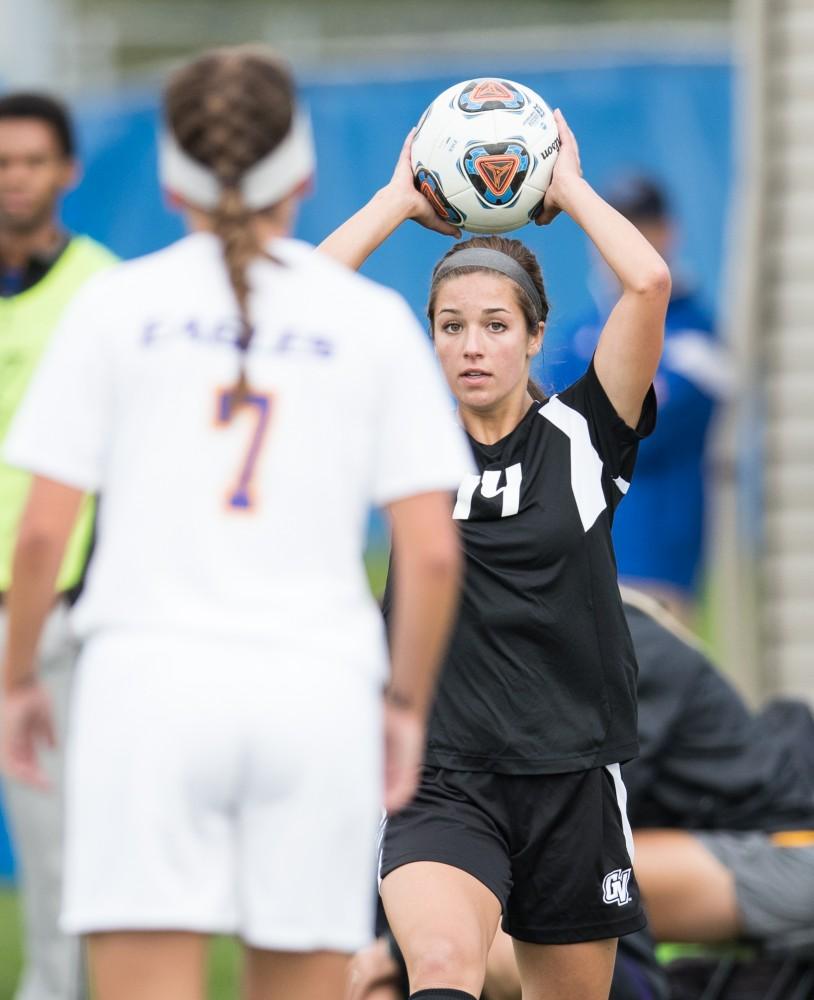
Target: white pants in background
(223, 787)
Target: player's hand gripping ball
(483, 154)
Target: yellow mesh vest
(27, 321)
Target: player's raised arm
(630, 345)
(396, 202)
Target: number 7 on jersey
(239, 496)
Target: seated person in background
(721, 800)
(659, 531)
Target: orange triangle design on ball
(491, 90)
(434, 200)
(497, 171)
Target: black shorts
(551, 847)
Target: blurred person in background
(238, 411)
(721, 800)
(41, 268)
(659, 534)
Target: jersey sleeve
(61, 427)
(420, 447)
(615, 442)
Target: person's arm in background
(420, 456)
(427, 566)
(27, 724)
(684, 415)
(355, 240)
(59, 435)
(693, 378)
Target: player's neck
(489, 426)
(274, 223)
(17, 248)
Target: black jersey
(540, 676)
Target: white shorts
(222, 788)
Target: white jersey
(254, 526)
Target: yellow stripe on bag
(793, 838)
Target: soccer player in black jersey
(520, 809)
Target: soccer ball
(483, 154)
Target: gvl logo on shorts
(614, 886)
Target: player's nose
(473, 343)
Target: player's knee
(443, 960)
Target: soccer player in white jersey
(233, 402)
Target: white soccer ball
(483, 154)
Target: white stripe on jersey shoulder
(586, 465)
(621, 484)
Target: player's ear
(305, 188)
(535, 343)
(70, 174)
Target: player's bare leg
(502, 977)
(147, 965)
(443, 920)
(566, 971)
(290, 975)
(688, 894)
(373, 973)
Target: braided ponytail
(230, 223)
(228, 109)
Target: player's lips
(475, 375)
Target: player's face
(482, 340)
(33, 174)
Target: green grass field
(10, 943)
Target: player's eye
(452, 326)
(495, 326)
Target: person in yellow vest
(41, 267)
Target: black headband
(492, 260)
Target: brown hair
(525, 258)
(228, 109)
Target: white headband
(289, 164)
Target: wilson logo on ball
(497, 171)
(490, 95)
